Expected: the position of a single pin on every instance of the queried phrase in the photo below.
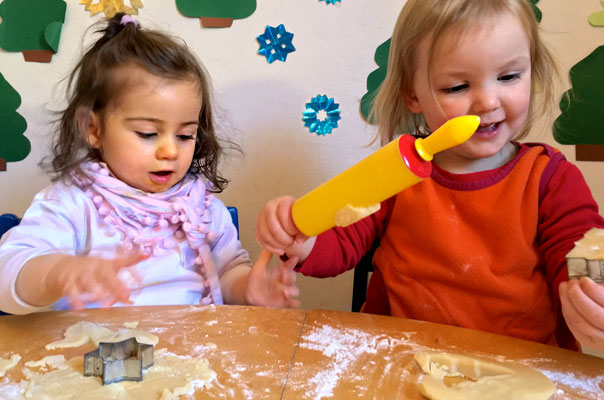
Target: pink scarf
(153, 223)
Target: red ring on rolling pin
(416, 164)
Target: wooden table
(264, 353)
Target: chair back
(7, 221)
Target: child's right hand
(82, 279)
(87, 280)
(276, 230)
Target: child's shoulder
(62, 192)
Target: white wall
(259, 105)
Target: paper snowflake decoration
(321, 115)
(331, 1)
(111, 7)
(275, 43)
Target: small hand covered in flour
(277, 232)
(583, 309)
(274, 287)
(88, 279)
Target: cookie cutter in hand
(579, 267)
(120, 361)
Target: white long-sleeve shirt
(63, 219)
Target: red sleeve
(340, 249)
(567, 210)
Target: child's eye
(509, 77)
(186, 137)
(456, 88)
(146, 135)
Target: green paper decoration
(14, 146)
(31, 24)
(536, 10)
(217, 9)
(597, 18)
(582, 118)
(375, 78)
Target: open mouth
(161, 176)
(488, 128)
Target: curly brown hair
(91, 89)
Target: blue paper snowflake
(331, 1)
(275, 43)
(321, 105)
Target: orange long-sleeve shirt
(483, 251)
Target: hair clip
(127, 19)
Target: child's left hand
(275, 287)
(583, 309)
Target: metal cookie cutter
(578, 267)
(120, 361)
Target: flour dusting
(351, 350)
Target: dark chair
(235, 218)
(7, 221)
(361, 278)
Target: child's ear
(92, 129)
(412, 103)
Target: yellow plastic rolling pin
(358, 191)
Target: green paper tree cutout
(597, 18)
(32, 27)
(536, 10)
(582, 118)
(14, 146)
(375, 78)
(216, 13)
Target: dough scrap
(348, 214)
(587, 257)
(81, 332)
(6, 364)
(170, 376)
(482, 379)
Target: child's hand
(86, 280)
(275, 228)
(583, 309)
(274, 287)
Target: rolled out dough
(170, 376)
(479, 378)
(81, 332)
(6, 364)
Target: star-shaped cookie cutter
(120, 361)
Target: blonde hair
(421, 18)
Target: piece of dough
(6, 364)
(348, 214)
(81, 332)
(480, 378)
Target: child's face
(486, 72)
(147, 138)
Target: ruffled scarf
(154, 223)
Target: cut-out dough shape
(479, 379)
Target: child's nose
(167, 149)
(486, 99)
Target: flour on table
(473, 378)
(6, 364)
(170, 376)
(82, 332)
